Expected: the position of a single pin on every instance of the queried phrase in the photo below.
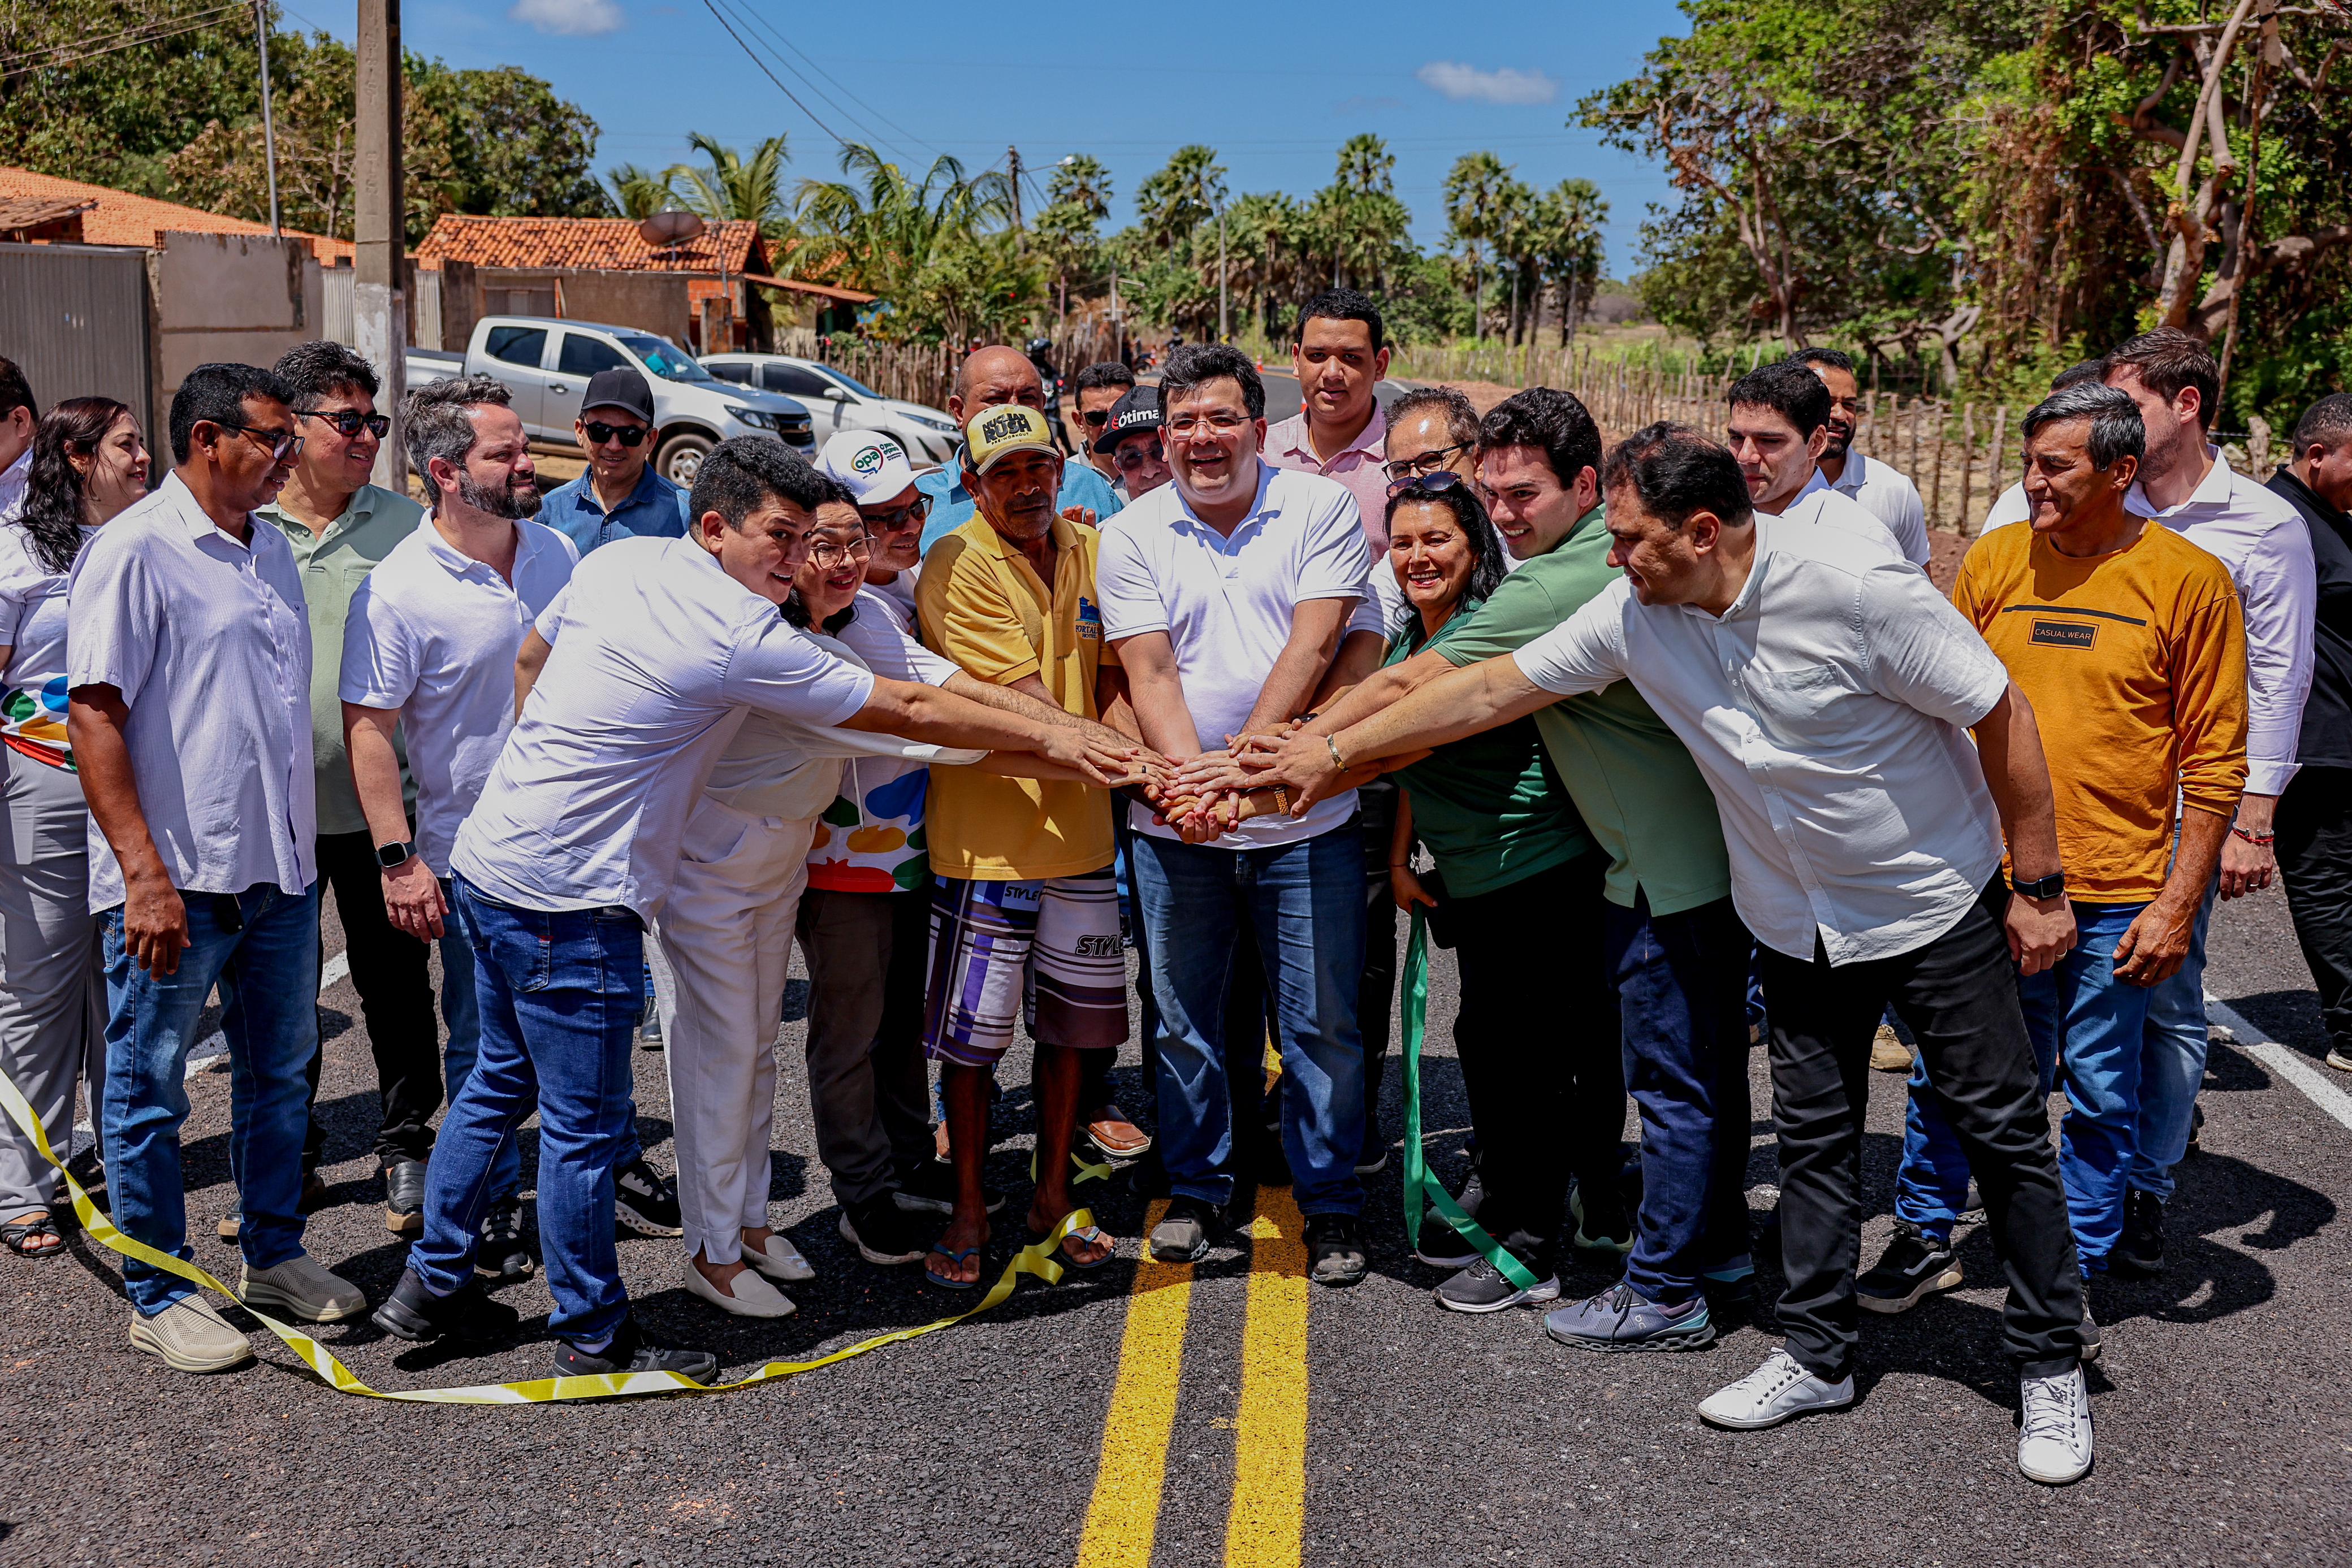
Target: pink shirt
(1357, 466)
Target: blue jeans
(1305, 905)
(268, 972)
(462, 1011)
(2099, 1022)
(1682, 986)
(558, 994)
(2173, 1063)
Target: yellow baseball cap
(995, 432)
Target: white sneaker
(301, 1289)
(782, 1260)
(2053, 1440)
(190, 1336)
(753, 1297)
(1775, 1391)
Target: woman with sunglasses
(1509, 850)
(88, 465)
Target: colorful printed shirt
(871, 840)
(33, 629)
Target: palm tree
(1366, 165)
(1566, 223)
(886, 229)
(1083, 183)
(1182, 196)
(733, 187)
(1473, 206)
(638, 192)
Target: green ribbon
(1420, 1186)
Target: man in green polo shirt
(340, 526)
(1676, 951)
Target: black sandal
(17, 1233)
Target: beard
(1841, 441)
(502, 502)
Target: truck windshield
(664, 357)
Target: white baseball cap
(874, 466)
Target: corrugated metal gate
(76, 318)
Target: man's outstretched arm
(1463, 702)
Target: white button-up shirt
(434, 633)
(659, 657)
(1887, 493)
(1826, 708)
(13, 480)
(1823, 508)
(208, 643)
(1226, 601)
(2261, 538)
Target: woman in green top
(1517, 882)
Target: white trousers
(722, 947)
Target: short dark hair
(835, 493)
(437, 421)
(16, 391)
(739, 475)
(1341, 305)
(320, 368)
(1489, 565)
(2116, 428)
(1196, 363)
(2078, 373)
(2170, 360)
(1789, 390)
(1677, 473)
(215, 394)
(1548, 418)
(1835, 359)
(1103, 373)
(2328, 422)
(1460, 413)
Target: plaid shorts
(1049, 949)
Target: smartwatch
(392, 856)
(2050, 886)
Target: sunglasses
(1428, 484)
(1095, 418)
(350, 421)
(279, 444)
(898, 517)
(599, 433)
(1406, 468)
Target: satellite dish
(673, 227)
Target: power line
(781, 38)
(771, 76)
(750, 20)
(129, 37)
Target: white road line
(2288, 1063)
(214, 1046)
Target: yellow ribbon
(1040, 1259)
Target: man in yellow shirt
(2128, 641)
(1024, 909)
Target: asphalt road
(1351, 1428)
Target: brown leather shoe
(1115, 1136)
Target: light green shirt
(333, 565)
(1632, 781)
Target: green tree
(1475, 189)
(638, 192)
(516, 148)
(918, 243)
(728, 187)
(1565, 242)
(1182, 196)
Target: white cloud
(569, 18)
(1461, 82)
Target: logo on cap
(869, 461)
(1004, 426)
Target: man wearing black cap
(620, 497)
(1130, 442)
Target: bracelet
(1338, 761)
(2262, 840)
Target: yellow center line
(1125, 1513)
(1269, 1509)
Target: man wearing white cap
(875, 468)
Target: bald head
(994, 377)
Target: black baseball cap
(620, 387)
(1138, 409)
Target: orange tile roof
(606, 245)
(121, 218)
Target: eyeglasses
(350, 421)
(827, 557)
(599, 433)
(1136, 456)
(279, 444)
(898, 517)
(1407, 467)
(1443, 480)
(1095, 418)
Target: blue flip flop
(1085, 1233)
(942, 1281)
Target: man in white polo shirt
(1226, 594)
(640, 672)
(190, 719)
(1778, 430)
(429, 647)
(1880, 488)
(1822, 687)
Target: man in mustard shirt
(1024, 909)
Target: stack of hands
(1256, 774)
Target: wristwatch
(2050, 886)
(392, 856)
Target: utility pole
(269, 123)
(380, 315)
(1222, 335)
(1013, 162)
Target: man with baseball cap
(876, 470)
(620, 497)
(1130, 439)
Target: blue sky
(1128, 84)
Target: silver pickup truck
(547, 362)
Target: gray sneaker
(1774, 1392)
(301, 1288)
(1622, 1319)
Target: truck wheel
(680, 458)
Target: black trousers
(390, 972)
(1958, 994)
(1376, 992)
(2314, 854)
(1542, 1057)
